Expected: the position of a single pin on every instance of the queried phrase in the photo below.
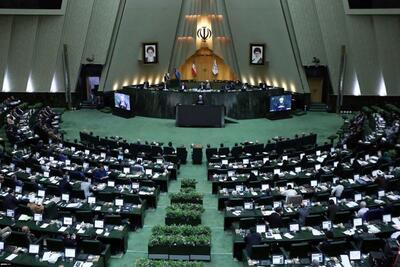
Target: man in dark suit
(200, 100)
(65, 186)
(251, 239)
(332, 209)
(10, 201)
(275, 219)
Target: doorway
(88, 85)
(319, 83)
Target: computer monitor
(119, 202)
(28, 170)
(277, 171)
(126, 170)
(105, 168)
(67, 220)
(224, 162)
(65, 197)
(280, 103)
(314, 183)
(159, 161)
(135, 185)
(37, 217)
(356, 176)
(318, 153)
(334, 199)
(99, 224)
(122, 101)
(239, 188)
(246, 161)
(261, 228)
(277, 259)
(277, 204)
(306, 202)
(326, 225)
(381, 193)
(291, 184)
(231, 173)
(387, 218)
(51, 158)
(120, 157)
(87, 151)
(85, 165)
(357, 222)
(92, 200)
(34, 249)
(10, 213)
(319, 257)
(297, 169)
(284, 157)
(265, 160)
(264, 187)
(357, 197)
(255, 172)
(248, 205)
(69, 252)
(41, 193)
(103, 155)
(317, 167)
(1, 246)
(67, 162)
(294, 227)
(18, 189)
(111, 183)
(355, 255)
(148, 171)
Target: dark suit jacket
(275, 220)
(10, 202)
(250, 240)
(332, 209)
(65, 186)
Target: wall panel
(6, 24)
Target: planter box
(179, 221)
(158, 252)
(179, 253)
(201, 253)
(185, 202)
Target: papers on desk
(292, 173)
(393, 197)
(97, 208)
(344, 259)
(396, 221)
(379, 201)
(372, 229)
(237, 212)
(74, 205)
(11, 257)
(254, 193)
(351, 204)
(81, 231)
(349, 232)
(266, 212)
(51, 257)
(24, 217)
(99, 231)
(315, 232)
(107, 234)
(62, 229)
(288, 235)
(156, 175)
(44, 225)
(277, 236)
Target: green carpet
(324, 124)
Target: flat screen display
(31, 4)
(280, 103)
(122, 101)
(374, 4)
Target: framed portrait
(257, 54)
(150, 53)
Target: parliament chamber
(197, 133)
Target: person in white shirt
(289, 192)
(337, 190)
(363, 209)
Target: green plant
(185, 212)
(186, 195)
(161, 263)
(188, 183)
(180, 235)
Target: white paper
(288, 235)
(11, 257)
(62, 229)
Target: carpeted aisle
(324, 124)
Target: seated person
(303, 213)
(208, 85)
(137, 167)
(363, 209)
(182, 87)
(85, 187)
(289, 192)
(332, 209)
(31, 237)
(251, 239)
(10, 201)
(99, 173)
(275, 219)
(6, 231)
(65, 186)
(200, 100)
(337, 189)
(36, 207)
(202, 86)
